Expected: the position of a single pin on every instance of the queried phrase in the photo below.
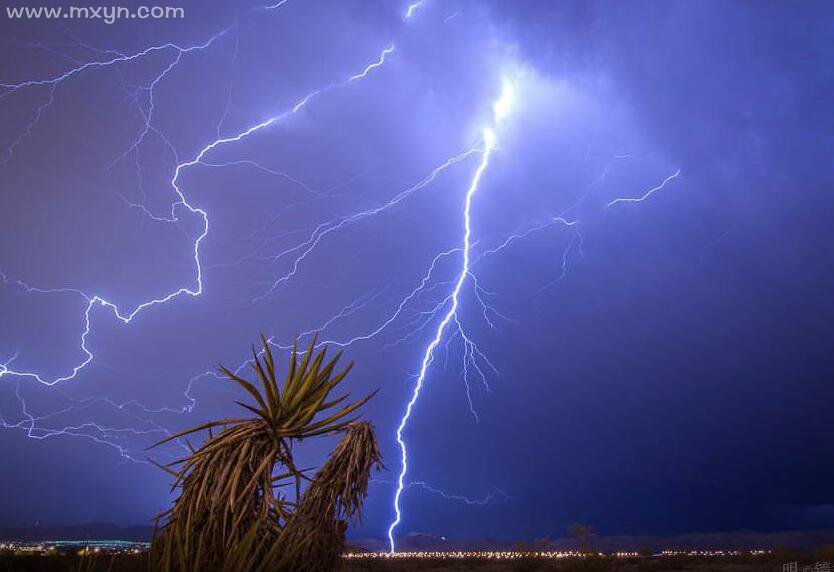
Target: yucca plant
(234, 511)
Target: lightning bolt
(432, 301)
(490, 495)
(647, 194)
(93, 431)
(450, 320)
(441, 329)
(487, 498)
(324, 229)
(500, 109)
(411, 9)
(181, 203)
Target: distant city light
(111, 547)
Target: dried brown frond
(314, 537)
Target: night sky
(657, 365)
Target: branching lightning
(321, 231)
(486, 499)
(501, 108)
(432, 302)
(181, 202)
(483, 501)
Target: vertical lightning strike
(489, 142)
(411, 306)
(500, 109)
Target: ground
(770, 562)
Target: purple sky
(660, 364)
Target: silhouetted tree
(234, 513)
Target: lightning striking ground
(441, 329)
(434, 299)
(501, 108)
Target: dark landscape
(740, 540)
(736, 551)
